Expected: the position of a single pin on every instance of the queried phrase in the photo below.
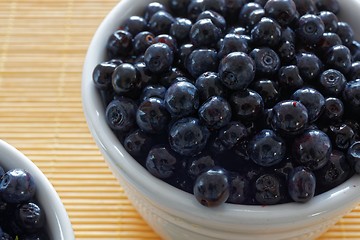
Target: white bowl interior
(58, 222)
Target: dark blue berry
(195, 7)
(328, 5)
(102, 75)
(245, 12)
(341, 136)
(334, 109)
(217, 19)
(312, 99)
(161, 162)
(266, 148)
(289, 117)
(121, 114)
(212, 187)
(153, 8)
(126, 79)
(17, 186)
(138, 143)
(268, 90)
(339, 58)
(239, 188)
(332, 82)
(289, 78)
(310, 66)
(179, 7)
(188, 137)
(204, 33)
(180, 29)
(355, 50)
(181, 99)
(286, 52)
(149, 91)
(144, 73)
(215, 113)
(174, 75)
(29, 217)
(168, 40)
(233, 8)
(135, 25)
(231, 134)
(119, 44)
(246, 105)
(305, 7)
(232, 43)
(330, 21)
(267, 32)
(353, 156)
(354, 72)
(302, 184)
(237, 70)
(142, 41)
(208, 85)
(284, 11)
(312, 149)
(351, 96)
(268, 189)
(266, 60)
(159, 58)
(218, 6)
(327, 41)
(208, 59)
(152, 116)
(310, 28)
(199, 164)
(255, 17)
(184, 52)
(160, 23)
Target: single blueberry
(339, 58)
(126, 79)
(266, 61)
(138, 143)
(310, 28)
(268, 189)
(309, 65)
(208, 85)
(268, 90)
(119, 44)
(232, 43)
(159, 58)
(142, 41)
(341, 136)
(245, 11)
(153, 8)
(204, 33)
(121, 114)
(160, 23)
(332, 82)
(180, 29)
(102, 74)
(284, 11)
(232, 134)
(215, 17)
(134, 25)
(267, 32)
(333, 110)
(246, 105)
(208, 59)
(199, 164)
(215, 113)
(351, 96)
(327, 41)
(346, 33)
(239, 188)
(289, 78)
(330, 21)
(30, 217)
(302, 184)
(161, 162)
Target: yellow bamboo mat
(42, 48)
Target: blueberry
(144, 73)
(341, 135)
(121, 114)
(339, 58)
(188, 137)
(288, 35)
(138, 143)
(208, 85)
(330, 21)
(204, 33)
(255, 17)
(17, 186)
(328, 5)
(310, 66)
(181, 99)
(233, 43)
(284, 11)
(332, 82)
(289, 78)
(161, 162)
(149, 91)
(267, 32)
(179, 7)
(102, 75)
(152, 116)
(153, 8)
(268, 189)
(174, 75)
(160, 23)
(310, 28)
(246, 105)
(354, 72)
(268, 90)
(135, 25)
(126, 79)
(305, 7)
(142, 41)
(29, 217)
(334, 109)
(238, 31)
(245, 12)
(289, 117)
(168, 40)
(239, 188)
(287, 52)
(184, 52)
(327, 41)
(199, 164)
(351, 96)
(313, 100)
(355, 50)
(335, 172)
(208, 59)
(353, 156)
(312, 149)
(232, 134)
(215, 113)
(195, 7)
(180, 29)
(217, 19)
(237, 70)
(266, 148)
(212, 187)
(159, 58)
(233, 8)
(302, 184)
(119, 44)
(266, 60)
(218, 6)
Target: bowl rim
(169, 198)
(56, 216)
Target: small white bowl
(57, 220)
(175, 214)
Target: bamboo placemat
(42, 47)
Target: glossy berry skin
(218, 6)
(312, 99)
(199, 164)
(233, 43)
(239, 188)
(152, 116)
(212, 187)
(174, 75)
(149, 91)
(289, 117)
(142, 41)
(332, 82)
(287, 52)
(289, 78)
(138, 143)
(245, 12)
(194, 9)
(345, 33)
(29, 217)
(312, 149)
(180, 29)
(339, 58)
(161, 162)
(255, 17)
(188, 136)
(310, 28)
(309, 65)
(181, 99)
(119, 44)
(268, 189)
(168, 40)
(102, 75)
(328, 5)
(327, 41)
(268, 90)
(159, 58)
(341, 135)
(354, 72)
(126, 79)
(204, 33)
(215, 113)
(232, 134)
(208, 59)
(267, 32)
(179, 6)
(233, 8)
(217, 19)
(333, 110)
(246, 105)
(330, 21)
(153, 8)
(351, 95)
(284, 11)
(160, 23)
(208, 85)
(237, 70)
(144, 73)
(266, 60)
(17, 186)
(353, 156)
(134, 25)
(121, 114)
(305, 7)
(302, 184)
(355, 50)
(335, 172)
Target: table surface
(42, 48)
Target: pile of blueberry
(246, 102)
(21, 216)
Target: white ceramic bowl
(58, 223)
(174, 214)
